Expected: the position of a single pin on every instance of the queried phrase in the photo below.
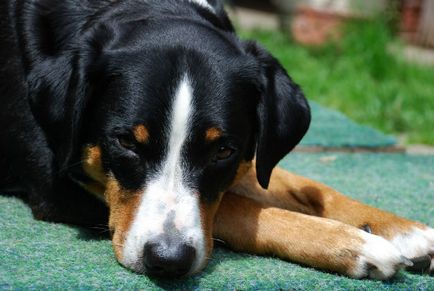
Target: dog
(154, 116)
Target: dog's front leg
(246, 225)
(288, 191)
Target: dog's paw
(378, 259)
(417, 245)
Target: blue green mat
(333, 129)
(37, 255)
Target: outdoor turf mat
(331, 128)
(38, 255)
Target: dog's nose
(168, 260)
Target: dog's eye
(127, 142)
(224, 153)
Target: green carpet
(37, 255)
(330, 128)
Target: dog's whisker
(64, 169)
(101, 230)
(219, 240)
(101, 225)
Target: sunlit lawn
(358, 77)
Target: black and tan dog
(158, 109)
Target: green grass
(360, 78)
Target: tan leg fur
(281, 221)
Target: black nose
(168, 260)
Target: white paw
(378, 259)
(417, 243)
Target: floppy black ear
(76, 102)
(61, 59)
(79, 100)
(283, 114)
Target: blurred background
(371, 59)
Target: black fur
(78, 72)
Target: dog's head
(174, 122)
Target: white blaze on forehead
(203, 3)
(167, 194)
(178, 134)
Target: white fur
(416, 243)
(203, 3)
(378, 258)
(167, 192)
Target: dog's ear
(76, 103)
(60, 76)
(283, 113)
(80, 97)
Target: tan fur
(94, 188)
(141, 133)
(92, 164)
(243, 169)
(213, 134)
(295, 193)
(246, 225)
(207, 213)
(123, 205)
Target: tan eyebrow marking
(141, 133)
(213, 133)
